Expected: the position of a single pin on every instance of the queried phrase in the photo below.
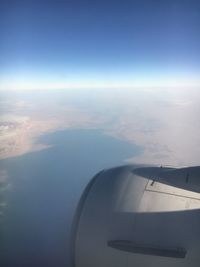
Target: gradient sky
(107, 42)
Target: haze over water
(45, 188)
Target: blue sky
(76, 42)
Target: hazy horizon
(99, 43)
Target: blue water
(46, 187)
